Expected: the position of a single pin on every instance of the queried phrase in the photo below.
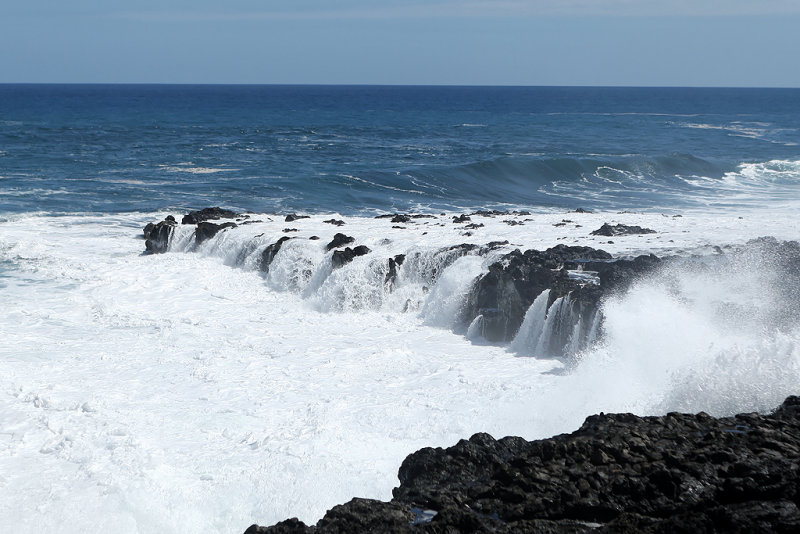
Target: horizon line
(410, 85)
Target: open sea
(192, 391)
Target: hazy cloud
(239, 11)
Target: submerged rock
(618, 473)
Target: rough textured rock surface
(157, 236)
(503, 295)
(208, 214)
(269, 253)
(618, 473)
(343, 257)
(621, 229)
(207, 230)
(339, 240)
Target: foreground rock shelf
(617, 473)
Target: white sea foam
(187, 391)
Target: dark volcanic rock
(391, 275)
(157, 236)
(503, 295)
(294, 217)
(335, 222)
(461, 219)
(339, 240)
(618, 473)
(621, 229)
(207, 230)
(269, 253)
(343, 257)
(208, 214)
(400, 219)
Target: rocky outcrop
(157, 235)
(618, 473)
(208, 214)
(502, 296)
(207, 230)
(341, 258)
(621, 229)
(269, 253)
(339, 240)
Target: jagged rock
(339, 240)
(208, 214)
(400, 219)
(461, 219)
(503, 295)
(621, 229)
(391, 275)
(474, 226)
(335, 222)
(618, 473)
(294, 217)
(157, 236)
(343, 257)
(207, 230)
(269, 253)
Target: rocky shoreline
(617, 473)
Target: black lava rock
(157, 236)
(618, 473)
(621, 229)
(339, 240)
(207, 230)
(269, 253)
(208, 214)
(343, 257)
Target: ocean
(197, 390)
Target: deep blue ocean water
(358, 149)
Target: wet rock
(269, 253)
(209, 214)
(339, 240)
(157, 236)
(335, 222)
(621, 229)
(503, 295)
(295, 217)
(474, 226)
(391, 275)
(461, 219)
(400, 219)
(343, 257)
(207, 230)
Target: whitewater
(188, 390)
(195, 390)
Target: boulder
(208, 214)
(343, 257)
(157, 236)
(339, 240)
(268, 255)
(207, 230)
(621, 229)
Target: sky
(751, 43)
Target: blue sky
(522, 42)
